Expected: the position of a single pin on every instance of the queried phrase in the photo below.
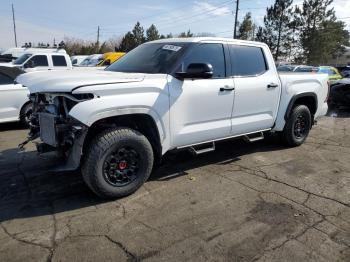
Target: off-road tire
(25, 112)
(101, 147)
(288, 135)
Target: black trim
(294, 98)
(99, 84)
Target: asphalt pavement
(244, 202)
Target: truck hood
(67, 80)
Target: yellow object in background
(110, 58)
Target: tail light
(329, 90)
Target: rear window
(59, 60)
(247, 60)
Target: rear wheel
(118, 162)
(298, 126)
(26, 113)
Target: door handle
(227, 88)
(272, 85)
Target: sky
(46, 20)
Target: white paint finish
(151, 98)
(12, 99)
(50, 65)
(298, 83)
(185, 112)
(66, 81)
(198, 110)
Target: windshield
(20, 60)
(95, 60)
(149, 58)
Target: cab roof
(207, 39)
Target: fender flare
(130, 111)
(294, 98)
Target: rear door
(257, 89)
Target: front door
(200, 109)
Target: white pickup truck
(165, 95)
(42, 61)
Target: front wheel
(298, 126)
(26, 113)
(118, 162)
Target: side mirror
(198, 71)
(107, 62)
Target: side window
(247, 60)
(5, 80)
(59, 60)
(39, 60)
(208, 53)
(332, 72)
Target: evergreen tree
(128, 43)
(246, 28)
(139, 34)
(152, 33)
(186, 34)
(321, 35)
(277, 28)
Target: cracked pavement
(243, 202)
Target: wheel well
(140, 122)
(26, 103)
(309, 100)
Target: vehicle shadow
(28, 188)
(12, 126)
(341, 112)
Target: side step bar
(203, 148)
(210, 145)
(254, 137)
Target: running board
(254, 137)
(203, 148)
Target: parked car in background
(165, 95)
(297, 68)
(92, 60)
(78, 59)
(344, 71)
(13, 53)
(339, 95)
(110, 57)
(42, 61)
(332, 72)
(14, 102)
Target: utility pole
(98, 36)
(236, 20)
(14, 24)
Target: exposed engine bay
(51, 122)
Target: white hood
(67, 80)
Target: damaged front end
(57, 130)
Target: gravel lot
(243, 202)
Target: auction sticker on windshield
(172, 48)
